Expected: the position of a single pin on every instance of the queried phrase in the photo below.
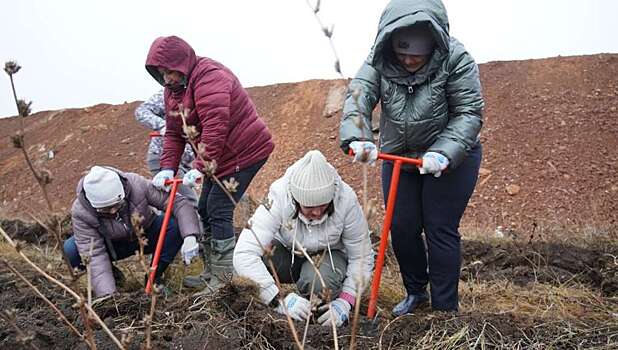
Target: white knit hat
(313, 181)
(103, 187)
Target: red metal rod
(162, 233)
(386, 227)
(154, 134)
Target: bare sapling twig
(360, 286)
(43, 177)
(88, 333)
(142, 241)
(9, 316)
(150, 317)
(210, 166)
(42, 296)
(137, 223)
(328, 33)
(78, 298)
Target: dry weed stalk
(42, 296)
(85, 309)
(43, 177)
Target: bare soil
(233, 319)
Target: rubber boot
(220, 264)
(199, 281)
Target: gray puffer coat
(438, 108)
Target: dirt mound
(233, 319)
(550, 145)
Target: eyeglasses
(112, 209)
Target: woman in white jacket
(313, 209)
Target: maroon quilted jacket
(219, 107)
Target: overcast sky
(81, 53)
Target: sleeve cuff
(351, 299)
(267, 294)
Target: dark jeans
(303, 274)
(215, 207)
(435, 206)
(124, 249)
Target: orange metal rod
(162, 233)
(386, 227)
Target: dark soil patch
(233, 319)
(552, 263)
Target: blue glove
(192, 178)
(298, 307)
(433, 163)
(339, 311)
(364, 151)
(159, 180)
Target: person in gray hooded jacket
(430, 94)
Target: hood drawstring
(330, 254)
(294, 240)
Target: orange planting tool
(386, 227)
(162, 233)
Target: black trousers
(215, 207)
(433, 206)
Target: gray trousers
(303, 274)
(154, 165)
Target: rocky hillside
(550, 143)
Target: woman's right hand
(364, 151)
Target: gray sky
(80, 53)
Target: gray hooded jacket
(438, 108)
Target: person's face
(171, 77)
(412, 63)
(314, 213)
(112, 209)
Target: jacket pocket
(423, 133)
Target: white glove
(339, 311)
(159, 180)
(192, 177)
(298, 307)
(364, 151)
(433, 163)
(189, 249)
(162, 131)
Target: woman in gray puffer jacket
(430, 94)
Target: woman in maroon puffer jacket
(233, 136)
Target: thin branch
(42, 296)
(63, 286)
